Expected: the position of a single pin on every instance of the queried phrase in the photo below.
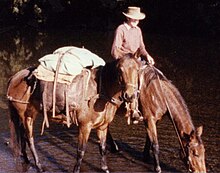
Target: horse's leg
(102, 148)
(29, 124)
(84, 132)
(152, 134)
(23, 139)
(147, 148)
(113, 146)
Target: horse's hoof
(40, 168)
(76, 169)
(158, 169)
(106, 170)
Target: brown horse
(157, 96)
(91, 106)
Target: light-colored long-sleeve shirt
(127, 40)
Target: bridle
(187, 157)
(123, 85)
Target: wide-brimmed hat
(134, 13)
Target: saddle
(63, 93)
(63, 100)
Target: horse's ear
(199, 131)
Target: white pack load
(73, 60)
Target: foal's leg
(152, 134)
(102, 148)
(84, 133)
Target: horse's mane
(174, 99)
(109, 70)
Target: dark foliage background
(191, 17)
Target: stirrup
(136, 116)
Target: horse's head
(128, 68)
(195, 152)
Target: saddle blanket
(44, 74)
(73, 60)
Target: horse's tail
(16, 88)
(15, 129)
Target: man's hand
(150, 60)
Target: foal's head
(128, 68)
(195, 152)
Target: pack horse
(89, 100)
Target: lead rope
(171, 116)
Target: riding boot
(136, 116)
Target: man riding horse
(128, 40)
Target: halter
(132, 85)
(135, 87)
(187, 158)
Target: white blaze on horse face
(128, 74)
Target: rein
(171, 115)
